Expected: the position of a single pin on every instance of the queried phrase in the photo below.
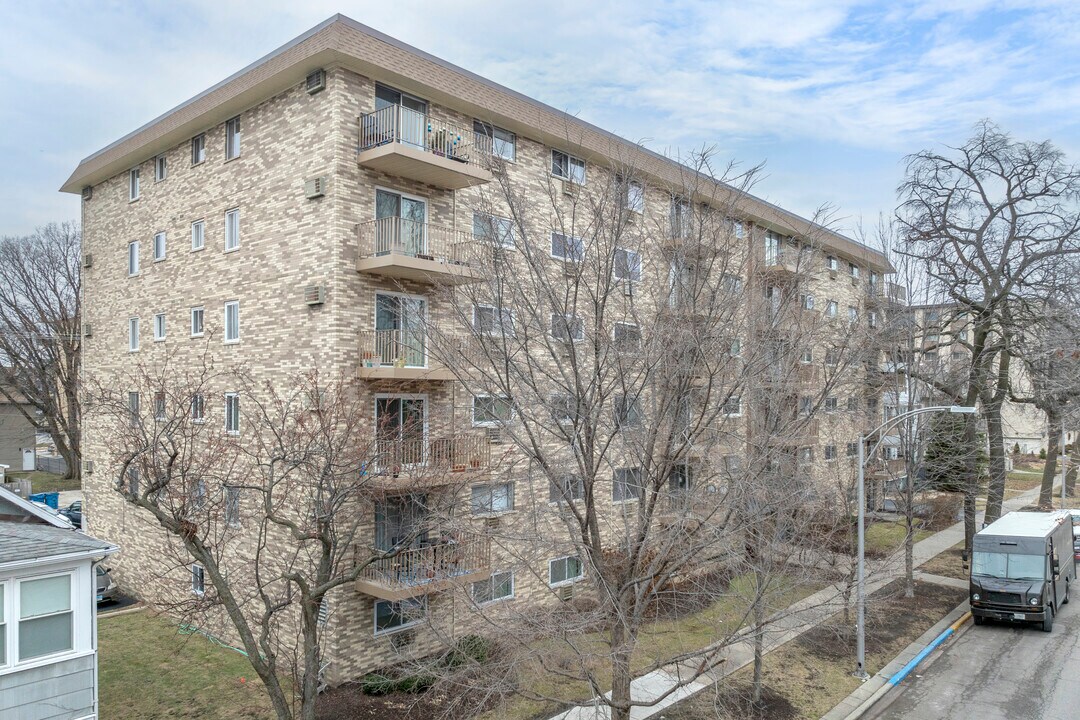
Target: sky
(829, 94)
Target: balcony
(428, 567)
(780, 265)
(409, 250)
(886, 293)
(402, 142)
(404, 463)
(398, 355)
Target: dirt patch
(732, 700)
(947, 564)
(347, 701)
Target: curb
(138, 607)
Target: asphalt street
(997, 672)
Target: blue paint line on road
(898, 677)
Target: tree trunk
(759, 639)
(621, 650)
(995, 435)
(311, 661)
(971, 484)
(1046, 490)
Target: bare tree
(40, 333)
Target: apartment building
(314, 209)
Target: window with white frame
(198, 149)
(232, 321)
(830, 452)
(198, 235)
(853, 404)
(495, 140)
(680, 480)
(566, 569)
(232, 506)
(46, 619)
(831, 404)
(627, 265)
(806, 405)
(232, 413)
(161, 168)
(393, 615)
(198, 579)
(232, 229)
(567, 167)
(634, 198)
(489, 320)
(735, 349)
(493, 229)
(3, 628)
(872, 319)
(807, 301)
(133, 407)
(197, 316)
(566, 488)
(133, 184)
(627, 412)
(852, 314)
(567, 247)
(567, 328)
(626, 337)
(892, 453)
(852, 449)
(492, 498)
(732, 406)
(133, 258)
(831, 309)
(232, 138)
(731, 283)
(198, 408)
(739, 228)
(831, 262)
(807, 356)
(500, 586)
(492, 410)
(832, 357)
(159, 247)
(159, 405)
(853, 270)
(626, 484)
(159, 327)
(133, 334)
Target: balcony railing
(429, 566)
(454, 453)
(395, 348)
(398, 236)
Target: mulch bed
(347, 702)
(732, 700)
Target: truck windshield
(1009, 567)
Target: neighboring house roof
(22, 542)
(341, 40)
(33, 513)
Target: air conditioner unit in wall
(569, 188)
(88, 467)
(87, 330)
(316, 81)
(88, 192)
(566, 592)
(88, 260)
(315, 187)
(315, 294)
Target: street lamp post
(860, 592)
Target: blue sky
(830, 94)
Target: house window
(197, 314)
(567, 328)
(492, 410)
(852, 314)
(679, 480)
(494, 498)
(133, 184)
(133, 407)
(806, 455)
(832, 357)
(807, 302)
(626, 337)
(232, 413)
(232, 138)
(831, 309)
(161, 168)
(198, 409)
(133, 258)
(807, 356)
(566, 488)
(198, 579)
(500, 586)
(488, 320)
(394, 615)
(736, 348)
(852, 449)
(831, 404)
(45, 617)
(627, 265)
(806, 405)
(739, 228)
(159, 406)
(198, 235)
(232, 229)
(853, 404)
(232, 507)
(493, 229)
(567, 247)
(232, 321)
(159, 327)
(731, 283)
(198, 149)
(626, 484)
(133, 334)
(831, 263)
(830, 452)
(892, 453)
(853, 270)
(159, 247)
(627, 412)
(872, 319)
(732, 406)
(495, 140)
(565, 569)
(634, 199)
(133, 480)
(567, 167)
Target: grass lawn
(46, 482)
(947, 564)
(1020, 482)
(149, 670)
(882, 538)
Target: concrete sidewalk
(789, 625)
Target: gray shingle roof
(32, 541)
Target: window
(626, 337)
(830, 452)
(681, 218)
(627, 412)
(627, 265)
(831, 263)
(567, 328)
(159, 406)
(852, 449)
(496, 230)
(159, 327)
(872, 318)
(736, 348)
(626, 485)
(852, 314)
(159, 247)
(133, 479)
(567, 167)
(232, 229)
(393, 615)
(634, 199)
(198, 409)
(133, 258)
(806, 455)
(488, 320)
(679, 480)
(499, 586)
(566, 488)
(564, 570)
(892, 453)
(492, 410)
(232, 506)
(807, 356)
(232, 413)
(739, 228)
(566, 247)
(853, 270)
(871, 405)
(198, 149)
(133, 334)
(161, 168)
(772, 248)
(232, 321)
(853, 404)
(495, 498)
(806, 405)
(197, 314)
(807, 302)
(198, 579)
(133, 184)
(495, 140)
(232, 138)
(831, 404)
(133, 407)
(731, 283)
(732, 406)
(832, 357)
(45, 617)
(831, 308)
(732, 463)
(198, 235)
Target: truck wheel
(1048, 622)
(978, 619)
(1066, 600)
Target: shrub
(1042, 453)
(1016, 449)
(943, 509)
(469, 648)
(376, 684)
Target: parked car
(1076, 533)
(73, 512)
(106, 588)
